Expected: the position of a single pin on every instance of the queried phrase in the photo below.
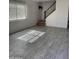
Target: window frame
(17, 18)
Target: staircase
(47, 12)
(41, 23)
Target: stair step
(41, 23)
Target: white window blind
(12, 11)
(21, 12)
(17, 11)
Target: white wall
(32, 12)
(59, 17)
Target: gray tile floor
(53, 45)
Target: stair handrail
(48, 9)
(50, 6)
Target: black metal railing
(51, 9)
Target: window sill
(16, 20)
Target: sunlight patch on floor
(31, 36)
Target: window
(21, 12)
(12, 12)
(17, 11)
